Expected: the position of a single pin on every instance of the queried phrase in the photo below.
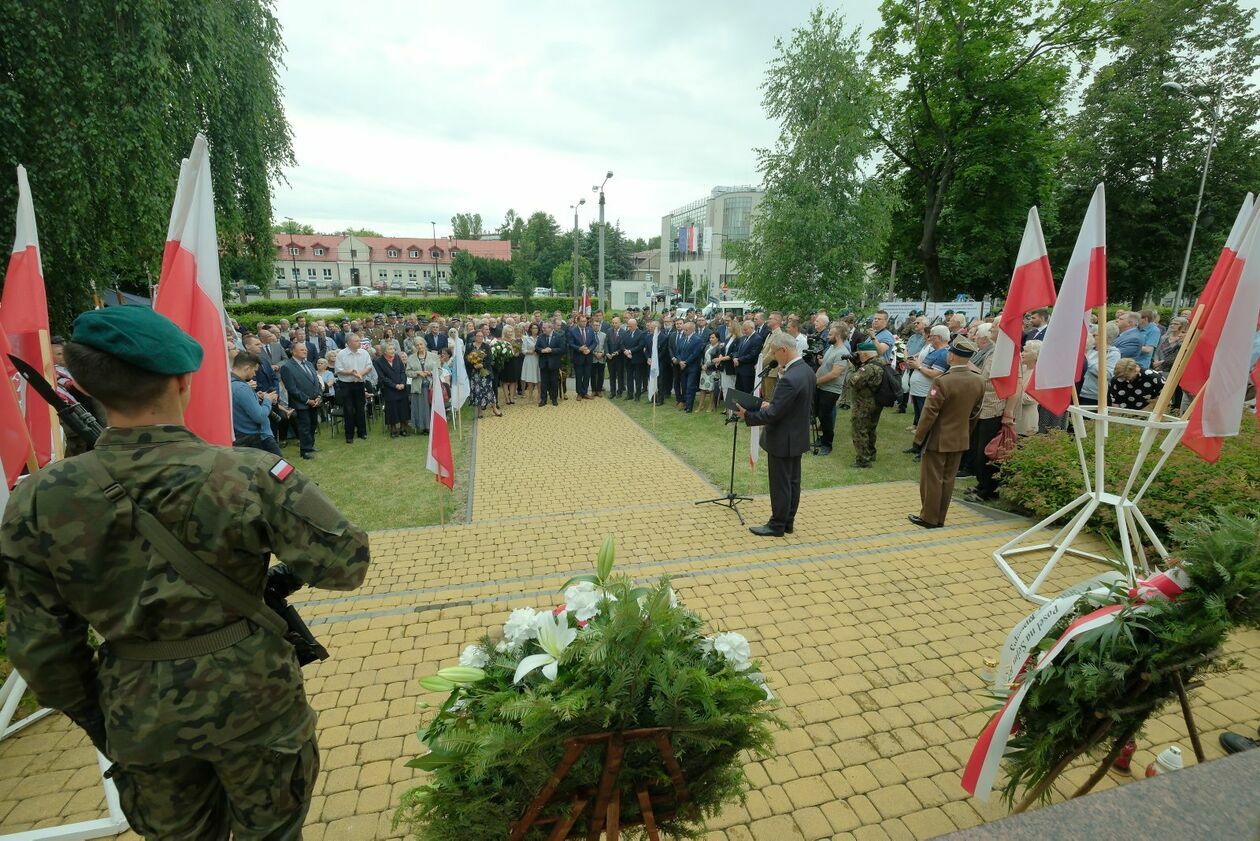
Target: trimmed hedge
(1044, 475)
(446, 305)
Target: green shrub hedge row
(1044, 475)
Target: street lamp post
(600, 189)
(1177, 89)
(575, 207)
(433, 254)
(293, 256)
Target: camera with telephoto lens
(815, 347)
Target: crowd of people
(288, 378)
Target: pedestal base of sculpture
(1131, 525)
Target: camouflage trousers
(865, 423)
(254, 793)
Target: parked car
(359, 292)
(412, 286)
(542, 292)
(321, 312)
(443, 286)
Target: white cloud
(407, 112)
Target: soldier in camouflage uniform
(203, 713)
(862, 384)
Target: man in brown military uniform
(944, 432)
(202, 711)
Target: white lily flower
(554, 636)
(475, 656)
(583, 600)
(734, 647)
(760, 679)
(521, 627)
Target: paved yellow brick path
(872, 632)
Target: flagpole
(441, 503)
(50, 374)
(1184, 354)
(1100, 344)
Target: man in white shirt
(352, 369)
(924, 370)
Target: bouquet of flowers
(613, 657)
(501, 353)
(478, 360)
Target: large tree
(975, 104)
(100, 101)
(463, 277)
(1148, 145)
(467, 225)
(617, 262)
(362, 232)
(820, 219)
(562, 275)
(290, 226)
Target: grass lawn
(704, 442)
(382, 483)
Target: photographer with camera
(830, 377)
(160, 543)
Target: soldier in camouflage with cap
(863, 383)
(202, 711)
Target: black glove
(915, 447)
(281, 583)
(91, 721)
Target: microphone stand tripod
(732, 500)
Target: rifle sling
(188, 565)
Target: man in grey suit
(305, 395)
(786, 419)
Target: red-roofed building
(330, 261)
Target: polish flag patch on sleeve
(281, 471)
(932, 393)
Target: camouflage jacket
(863, 382)
(71, 561)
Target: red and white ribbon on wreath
(986, 757)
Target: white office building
(694, 238)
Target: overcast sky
(408, 112)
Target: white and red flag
(15, 439)
(1230, 324)
(24, 317)
(1199, 365)
(1032, 286)
(1084, 288)
(440, 461)
(190, 294)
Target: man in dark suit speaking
(786, 419)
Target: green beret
(868, 345)
(139, 336)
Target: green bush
(446, 305)
(1044, 475)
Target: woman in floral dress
(481, 375)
